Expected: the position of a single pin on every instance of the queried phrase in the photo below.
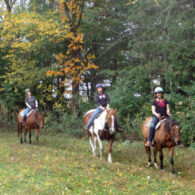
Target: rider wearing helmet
(160, 109)
(103, 101)
(31, 103)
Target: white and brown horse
(103, 128)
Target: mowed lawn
(65, 165)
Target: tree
(75, 61)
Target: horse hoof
(149, 164)
(156, 165)
(109, 161)
(173, 174)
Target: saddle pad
(159, 123)
(22, 113)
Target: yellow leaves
(132, 2)
(157, 3)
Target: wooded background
(61, 49)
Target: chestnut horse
(34, 121)
(103, 128)
(166, 136)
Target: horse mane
(110, 113)
(170, 122)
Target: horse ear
(115, 110)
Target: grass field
(65, 165)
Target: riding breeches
(154, 122)
(25, 113)
(97, 111)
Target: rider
(103, 101)
(160, 109)
(31, 103)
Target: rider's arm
(168, 110)
(154, 112)
(36, 104)
(26, 102)
(28, 105)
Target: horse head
(175, 128)
(41, 119)
(110, 120)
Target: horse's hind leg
(161, 158)
(171, 151)
(148, 151)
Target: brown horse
(103, 129)
(167, 136)
(34, 121)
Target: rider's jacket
(31, 102)
(161, 107)
(102, 99)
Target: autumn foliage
(75, 61)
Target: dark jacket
(102, 99)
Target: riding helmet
(158, 90)
(27, 90)
(98, 85)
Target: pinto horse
(34, 121)
(103, 128)
(166, 136)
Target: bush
(66, 123)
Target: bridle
(172, 138)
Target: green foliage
(69, 124)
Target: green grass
(65, 165)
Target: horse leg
(92, 145)
(110, 150)
(155, 153)
(30, 142)
(161, 158)
(37, 137)
(95, 145)
(25, 135)
(171, 151)
(21, 140)
(148, 151)
(101, 146)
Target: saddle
(22, 113)
(159, 123)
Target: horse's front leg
(148, 151)
(110, 150)
(155, 153)
(37, 137)
(161, 158)
(171, 151)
